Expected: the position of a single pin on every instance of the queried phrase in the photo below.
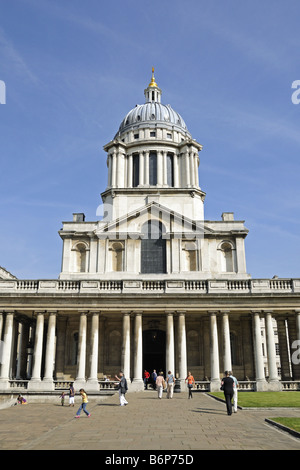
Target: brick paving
(146, 423)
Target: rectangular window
(152, 133)
(136, 136)
(170, 169)
(135, 170)
(153, 169)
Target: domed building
(152, 284)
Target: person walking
(159, 384)
(122, 388)
(146, 378)
(154, 377)
(227, 387)
(235, 390)
(190, 383)
(83, 404)
(170, 384)
(62, 398)
(71, 395)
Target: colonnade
(120, 168)
(45, 349)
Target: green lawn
(265, 399)
(292, 423)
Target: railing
(211, 286)
(247, 386)
(202, 385)
(19, 384)
(288, 385)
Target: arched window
(227, 263)
(153, 248)
(80, 258)
(117, 249)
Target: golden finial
(152, 83)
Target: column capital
(212, 312)
(137, 312)
(52, 312)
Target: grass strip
(265, 399)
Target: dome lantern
(152, 93)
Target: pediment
(131, 224)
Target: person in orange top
(191, 382)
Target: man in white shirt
(235, 387)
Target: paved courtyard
(146, 423)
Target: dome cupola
(151, 113)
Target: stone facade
(152, 284)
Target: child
(83, 404)
(62, 397)
(21, 400)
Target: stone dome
(153, 113)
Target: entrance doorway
(154, 351)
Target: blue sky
(72, 71)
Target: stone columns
(226, 341)
(165, 169)
(258, 353)
(159, 168)
(170, 353)
(50, 350)
(94, 341)
(5, 357)
(141, 169)
(274, 383)
(80, 379)
(176, 171)
(129, 171)
(138, 383)
(187, 170)
(146, 176)
(297, 313)
(214, 354)
(38, 348)
(182, 355)
(196, 160)
(114, 170)
(125, 361)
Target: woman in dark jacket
(227, 386)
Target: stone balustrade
(244, 286)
